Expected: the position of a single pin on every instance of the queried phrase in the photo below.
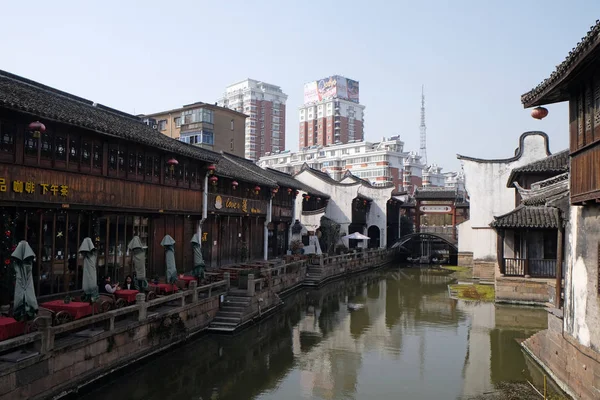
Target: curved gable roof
(518, 150)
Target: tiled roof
(563, 70)
(287, 180)
(548, 190)
(424, 194)
(529, 217)
(46, 103)
(239, 168)
(557, 163)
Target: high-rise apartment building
(331, 113)
(265, 106)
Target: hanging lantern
(213, 180)
(365, 202)
(289, 191)
(234, 185)
(172, 163)
(296, 193)
(539, 112)
(318, 199)
(256, 189)
(276, 189)
(307, 197)
(37, 128)
(211, 169)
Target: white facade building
(339, 207)
(485, 182)
(265, 106)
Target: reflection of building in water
(493, 354)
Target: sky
(475, 59)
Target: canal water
(389, 334)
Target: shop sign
(436, 209)
(229, 204)
(30, 187)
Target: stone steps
(229, 316)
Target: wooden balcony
(535, 268)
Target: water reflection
(410, 341)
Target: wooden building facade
(71, 169)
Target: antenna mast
(423, 129)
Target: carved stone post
(140, 301)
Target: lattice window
(580, 116)
(589, 108)
(597, 103)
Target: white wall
(485, 181)
(339, 207)
(465, 236)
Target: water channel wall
(519, 290)
(574, 367)
(465, 258)
(67, 360)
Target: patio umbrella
(90, 277)
(168, 243)
(357, 236)
(139, 262)
(25, 305)
(198, 271)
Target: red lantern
(256, 189)
(307, 197)
(365, 202)
(213, 180)
(7, 261)
(7, 233)
(318, 199)
(289, 191)
(37, 128)
(211, 169)
(297, 193)
(539, 113)
(172, 163)
(234, 185)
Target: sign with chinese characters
(436, 209)
(235, 205)
(31, 187)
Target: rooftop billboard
(331, 87)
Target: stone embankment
(58, 360)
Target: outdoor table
(163, 288)
(10, 327)
(127, 295)
(77, 309)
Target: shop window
(149, 166)
(86, 152)
(140, 164)
(61, 148)
(121, 160)
(31, 144)
(98, 155)
(157, 167)
(74, 149)
(7, 138)
(112, 159)
(46, 145)
(131, 163)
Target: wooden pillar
(417, 217)
(454, 222)
(501, 233)
(526, 266)
(559, 261)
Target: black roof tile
(557, 163)
(20, 94)
(529, 217)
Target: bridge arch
(427, 245)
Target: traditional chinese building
(71, 168)
(569, 348)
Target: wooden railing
(535, 267)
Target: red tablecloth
(127, 295)
(10, 327)
(77, 309)
(161, 288)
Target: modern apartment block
(434, 177)
(331, 113)
(204, 125)
(265, 106)
(378, 163)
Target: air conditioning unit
(154, 126)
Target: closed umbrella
(90, 277)
(198, 271)
(139, 262)
(25, 306)
(168, 243)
